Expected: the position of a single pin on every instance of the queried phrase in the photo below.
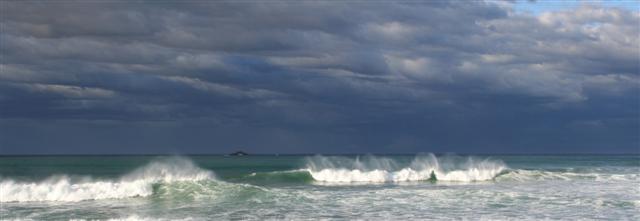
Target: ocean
(316, 187)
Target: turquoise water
(387, 187)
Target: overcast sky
(92, 77)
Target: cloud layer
(304, 77)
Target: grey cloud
(441, 74)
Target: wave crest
(372, 169)
(138, 183)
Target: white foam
(379, 169)
(139, 218)
(536, 175)
(135, 184)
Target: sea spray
(373, 169)
(138, 183)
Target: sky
(212, 77)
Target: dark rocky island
(238, 153)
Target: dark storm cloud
(316, 77)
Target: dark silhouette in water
(432, 176)
(238, 153)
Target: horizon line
(301, 154)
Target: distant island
(238, 153)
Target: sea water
(381, 187)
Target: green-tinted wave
(277, 177)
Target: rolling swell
(290, 176)
(524, 175)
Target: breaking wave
(372, 169)
(142, 182)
